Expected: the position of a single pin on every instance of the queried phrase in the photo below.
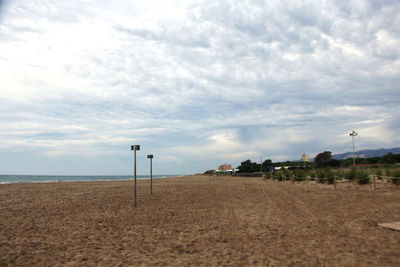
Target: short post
(134, 148)
(307, 180)
(292, 179)
(151, 173)
(334, 180)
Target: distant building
(282, 167)
(305, 158)
(225, 168)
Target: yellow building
(305, 158)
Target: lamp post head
(353, 133)
(149, 156)
(135, 147)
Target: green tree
(266, 164)
(389, 158)
(323, 159)
(248, 166)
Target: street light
(151, 173)
(353, 134)
(134, 148)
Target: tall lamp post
(151, 173)
(353, 134)
(134, 148)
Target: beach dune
(197, 220)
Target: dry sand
(198, 220)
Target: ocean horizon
(15, 179)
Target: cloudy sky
(196, 83)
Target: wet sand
(197, 220)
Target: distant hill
(368, 153)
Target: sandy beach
(197, 220)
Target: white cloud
(199, 83)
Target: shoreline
(102, 178)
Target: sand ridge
(197, 220)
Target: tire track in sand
(283, 204)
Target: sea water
(11, 179)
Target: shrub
(351, 175)
(278, 176)
(318, 176)
(379, 173)
(287, 173)
(395, 174)
(362, 177)
(387, 171)
(341, 173)
(300, 174)
(326, 176)
(321, 176)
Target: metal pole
(134, 148)
(354, 155)
(135, 173)
(353, 134)
(151, 173)
(261, 166)
(151, 176)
